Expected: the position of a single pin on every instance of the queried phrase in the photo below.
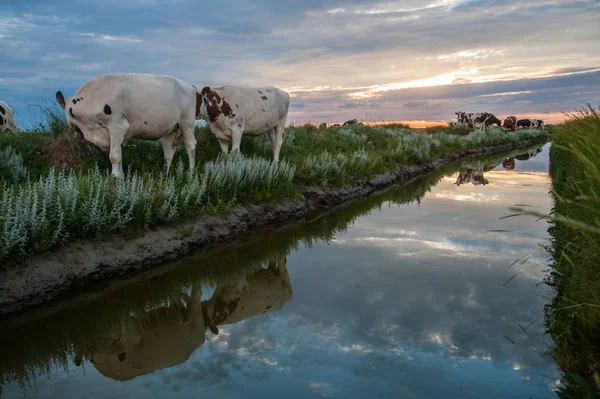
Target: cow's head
(60, 99)
(202, 102)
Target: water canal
(399, 295)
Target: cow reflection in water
(509, 163)
(265, 291)
(473, 176)
(166, 336)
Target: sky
(410, 60)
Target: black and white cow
(109, 109)
(231, 111)
(530, 124)
(7, 118)
(477, 120)
(350, 122)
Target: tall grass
(12, 168)
(573, 317)
(39, 214)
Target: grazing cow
(511, 123)
(530, 124)
(109, 109)
(7, 118)
(163, 337)
(350, 122)
(490, 119)
(477, 120)
(265, 291)
(235, 110)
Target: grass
(573, 317)
(69, 193)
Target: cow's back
(256, 106)
(151, 104)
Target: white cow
(7, 118)
(109, 109)
(231, 111)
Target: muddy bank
(81, 262)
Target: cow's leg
(236, 138)
(116, 133)
(190, 144)
(278, 139)
(169, 151)
(224, 146)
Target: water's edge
(82, 262)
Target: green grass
(69, 193)
(573, 317)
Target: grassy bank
(573, 317)
(56, 187)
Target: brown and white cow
(511, 123)
(232, 111)
(265, 291)
(109, 109)
(7, 118)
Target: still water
(399, 295)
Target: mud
(45, 276)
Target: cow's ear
(205, 91)
(60, 99)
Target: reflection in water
(193, 322)
(167, 335)
(265, 291)
(509, 163)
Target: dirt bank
(82, 262)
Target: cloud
(109, 38)
(327, 54)
(415, 103)
(351, 105)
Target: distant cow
(351, 122)
(7, 118)
(477, 120)
(109, 109)
(530, 124)
(511, 123)
(235, 110)
(323, 125)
